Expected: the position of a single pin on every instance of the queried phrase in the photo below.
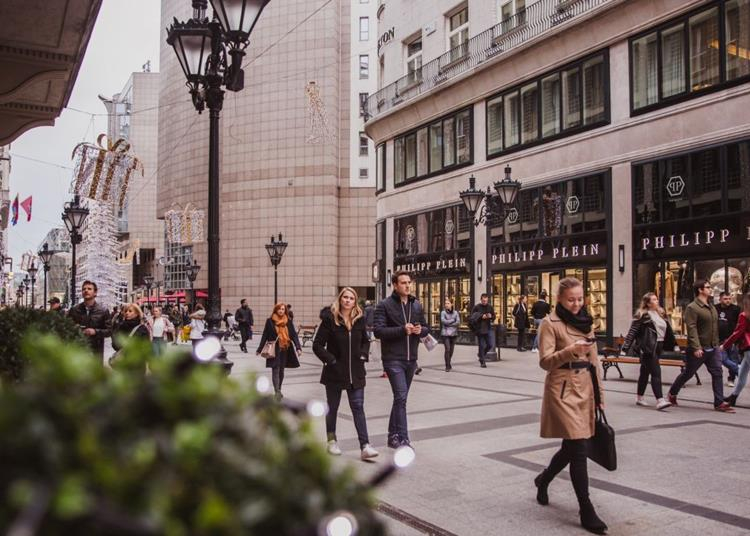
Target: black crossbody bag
(601, 446)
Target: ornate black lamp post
(26, 283)
(148, 280)
(32, 270)
(19, 295)
(74, 215)
(275, 251)
(45, 255)
(210, 53)
(191, 270)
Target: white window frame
(462, 31)
(364, 32)
(364, 148)
(414, 61)
(364, 74)
(508, 16)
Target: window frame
(563, 132)
(458, 30)
(364, 149)
(380, 167)
(416, 74)
(366, 176)
(364, 75)
(366, 31)
(688, 94)
(363, 103)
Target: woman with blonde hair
(131, 325)
(280, 328)
(650, 332)
(567, 351)
(343, 346)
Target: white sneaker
(663, 404)
(535, 350)
(333, 448)
(642, 402)
(730, 383)
(368, 452)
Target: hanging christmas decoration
(318, 127)
(27, 259)
(184, 225)
(99, 252)
(102, 172)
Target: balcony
(511, 33)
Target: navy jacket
(343, 352)
(390, 318)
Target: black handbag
(601, 446)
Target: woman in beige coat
(567, 350)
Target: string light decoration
(27, 259)
(318, 127)
(99, 252)
(185, 225)
(102, 172)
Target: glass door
(498, 293)
(513, 291)
(433, 315)
(597, 298)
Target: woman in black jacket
(131, 325)
(280, 328)
(650, 332)
(343, 346)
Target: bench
(307, 332)
(611, 358)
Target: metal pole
(214, 300)
(33, 301)
(73, 239)
(46, 269)
(275, 284)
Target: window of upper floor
(414, 59)
(364, 66)
(512, 14)
(380, 168)
(364, 144)
(702, 51)
(458, 33)
(364, 28)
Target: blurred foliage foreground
(183, 450)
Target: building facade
(4, 220)
(291, 158)
(621, 121)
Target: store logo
(449, 227)
(512, 216)
(675, 186)
(411, 234)
(573, 204)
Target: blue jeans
(486, 342)
(158, 344)
(356, 404)
(692, 364)
(742, 374)
(730, 359)
(537, 323)
(400, 374)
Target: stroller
(233, 331)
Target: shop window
(738, 176)
(705, 181)
(738, 280)
(596, 298)
(675, 201)
(646, 194)
(737, 27)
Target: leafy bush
(183, 450)
(16, 322)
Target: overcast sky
(125, 36)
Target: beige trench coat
(568, 402)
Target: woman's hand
(600, 406)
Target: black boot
(731, 400)
(590, 521)
(542, 482)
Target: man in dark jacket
(539, 312)
(521, 321)
(399, 324)
(481, 318)
(55, 305)
(369, 317)
(93, 319)
(728, 313)
(244, 318)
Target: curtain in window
(422, 152)
(530, 113)
(571, 98)
(398, 159)
(645, 71)
(449, 137)
(673, 60)
(704, 49)
(510, 119)
(463, 137)
(436, 146)
(738, 38)
(411, 156)
(550, 105)
(495, 125)
(593, 90)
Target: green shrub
(181, 451)
(16, 322)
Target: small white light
(262, 384)
(207, 349)
(317, 408)
(341, 524)
(403, 457)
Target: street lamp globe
(472, 197)
(191, 42)
(238, 18)
(45, 254)
(192, 270)
(507, 188)
(74, 215)
(32, 270)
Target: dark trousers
(400, 375)
(277, 377)
(356, 404)
(449, 344)
(245, 334)
(573, 452)
(486, 342)
(650, 367)
(521, 339)
(713, 364)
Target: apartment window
(443, 144)
(364, 28)
(566, 101)
(363, 173)
(458, 34)
(691, 55)
(512, 14)
(414, 60)
(380, 168)
(364, 66)
(364, 147)
(363, 103)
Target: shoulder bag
(269, 350)
(118, 354)
(601, 446)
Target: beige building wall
(272, 180)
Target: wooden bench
(307, 332)
(611, 358)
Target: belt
(576, 365)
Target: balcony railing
(501, 38)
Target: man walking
(55, 305)
(244, 318)
(521, 320)
(728, 314)
(399, 324)
(93, 319)
(539, 312)
(701, 321)
(482, 316)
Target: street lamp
(191, 270)
(275, 251)
(26, 283)
(210, 53)
(32, 270)
(74, 215)
(148, 280)
(45, 255)
(19, 295)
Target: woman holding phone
(567, 351)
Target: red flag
(26, 205)
(14, 209)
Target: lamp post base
(220, 358)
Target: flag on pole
(26, 205)
(14, 209)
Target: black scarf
(582, 321)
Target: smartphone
(590, 339)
